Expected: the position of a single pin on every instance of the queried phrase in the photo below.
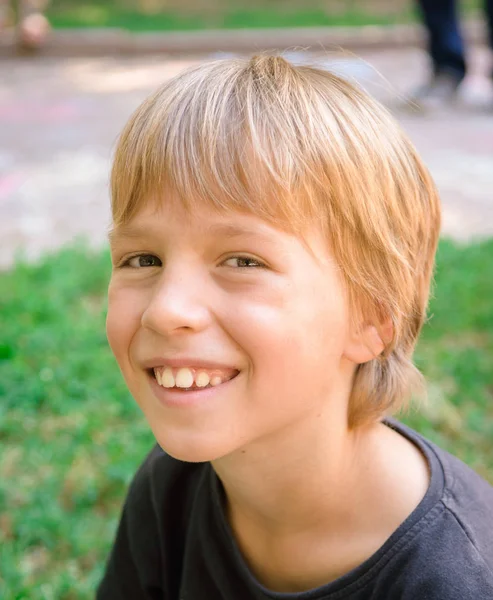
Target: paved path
(59, 119)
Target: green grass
(134, 16)
(71, 437)
(456, 355)
(70, 434)
(100, 16)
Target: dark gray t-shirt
(174, 543)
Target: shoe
(438, 93)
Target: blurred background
(71, 73)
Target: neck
(298, 478)
(309, 501)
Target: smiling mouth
(190, 378)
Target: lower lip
(176, 398)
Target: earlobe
(368, 343)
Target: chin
(192, 449)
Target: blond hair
(298, 145)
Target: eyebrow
(226, 230)
(234, 231)
(116, 234)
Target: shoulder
(442, 561)
(156, 509)
(145, 561)
(469, 500)
(447, 552)
(466, 496)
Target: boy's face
(241, 302)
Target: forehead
(201, 221)
(173, 221)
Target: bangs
(226, 136)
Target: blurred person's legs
(488, 6)
(32, 26)
(446, 50)
(445, 42)
(6, 14)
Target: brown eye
(143, 260)
(243, 262)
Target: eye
(142, 260)
(243, 262)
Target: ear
(368, 342)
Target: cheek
(291, 332)
(294, 351)
(122, 321)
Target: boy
(273, 242)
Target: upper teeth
(185, 377)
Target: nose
(178, 303)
